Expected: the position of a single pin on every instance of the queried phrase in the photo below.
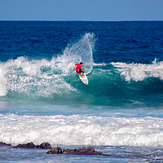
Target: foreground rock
(80, 151)
(30, 145)
(45, 145)
(56, 150)
(4, 144)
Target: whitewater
(82, 130)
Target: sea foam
(82, 130)
(138, 71)
(3, 81)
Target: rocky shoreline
(57, 150)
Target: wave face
(111, 84)
(108, 83)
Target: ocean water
(120, 112)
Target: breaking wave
(139, 72)
(110, 84)
(44, 77)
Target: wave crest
(138, 71)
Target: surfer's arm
(74, 66)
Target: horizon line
(85, 20)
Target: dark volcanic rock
(159, 159)
(28, 145)
(80, 151)
(44, 145)
(56, 150)
(90, 149)
(4, 144)
(70, 151)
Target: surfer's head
(81, 63)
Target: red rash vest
(78, 68)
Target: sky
(83, 10)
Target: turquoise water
(119, 113)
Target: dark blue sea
(120, 111)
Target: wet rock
(159, 159)
(56, 150)
(90, 149)
(4, 144)
(66, 151)
(45, 145)
(70, 151)
(82, 151)
(28, 145)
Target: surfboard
(84, 79)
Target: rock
(28, 145)
(66, 151)
(45, 145)
(91, 149)
(56, 150)
(159, 159)
(82, 151)
(4, 144)
(70, 151)
(99, 153)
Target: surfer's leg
(82, 73)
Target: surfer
(79, 68)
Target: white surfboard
(84, 79)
